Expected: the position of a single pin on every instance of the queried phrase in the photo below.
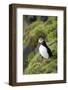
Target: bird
(44, 50)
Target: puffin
(44, 50)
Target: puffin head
(41, 40)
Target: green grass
(38, 65)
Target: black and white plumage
(44, 50)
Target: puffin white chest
(43, 51)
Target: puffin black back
(48, 49)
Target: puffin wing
(48, 49)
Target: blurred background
(33, 28)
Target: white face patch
(40, 40)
